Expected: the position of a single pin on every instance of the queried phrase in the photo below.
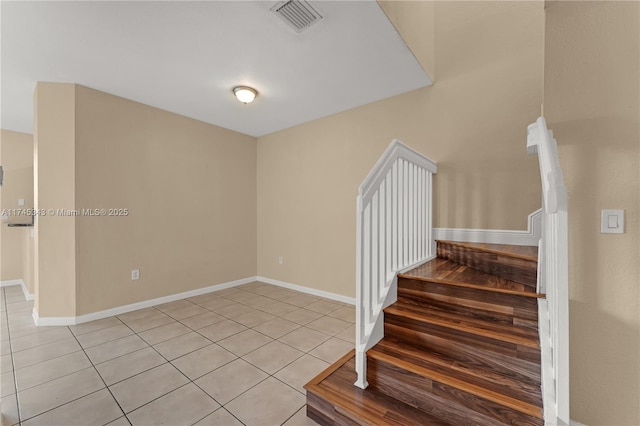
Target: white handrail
(552, 276)
(394, 232)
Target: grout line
(101, 378)
(180, 371)
(62, 405)
(247, 294)
(13, 365)
(48, 359)
(170, 363)
(294, 414)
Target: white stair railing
(552, 276)
(394, 232)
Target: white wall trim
(20, 282)
(9, 283)
(57, 321)
(62, 321)
(546, 364)
(309, 290)
(530, 237)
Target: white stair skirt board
(57, 321)
(20, 282)
(308, 290)
(530, 237)
(548, 389)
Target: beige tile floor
(233, 357)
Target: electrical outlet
(281, 260)
(135, 274)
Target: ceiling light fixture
(245, 94)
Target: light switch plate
(612, 222)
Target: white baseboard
(52, 321)
(9, 283)
(62, 321)
(530, 237)
(57, 321)
(20, 282)
(308, 290)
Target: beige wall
(592, 92)
(189, 187)
(16, 157)
(472, 122)
(27, 259)
(415, 22)
(55, 180)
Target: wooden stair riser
(319, 409)
(472, 309)
(392, 385)
(466, 323)
(502, 265)
(499, 380)
(419, 333)
(470, 355)
(426, 394)
(515, 306)
(325, 413)
(333, 400)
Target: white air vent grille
(297, 14)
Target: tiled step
(514, 263)
(417, 324)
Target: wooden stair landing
(461, 347)
(514, 263)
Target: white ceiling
(185, 57)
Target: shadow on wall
(596, 349)
(601, 171)
(465, 192)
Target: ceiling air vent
(298, 14)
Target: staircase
(460, 347)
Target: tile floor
(236, 356)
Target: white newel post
(553, 278)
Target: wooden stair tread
(335, 387)
(478, 391)
(499, 331)
(521, 252)
(501, 381)
(443, 271)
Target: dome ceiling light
(245, 94)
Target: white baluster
(391, 230)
